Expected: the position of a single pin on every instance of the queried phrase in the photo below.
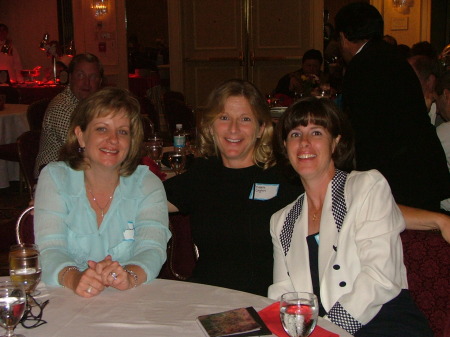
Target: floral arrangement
(304, 83)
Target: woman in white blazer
(340, 239)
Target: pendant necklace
(101, 208)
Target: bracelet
(135, 277)
(65, 272)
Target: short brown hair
(86, 57)
(325, 113)
(263, 152)
(103, 103)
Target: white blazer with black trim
(360, 251)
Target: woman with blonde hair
(231, 192)
(100, 219)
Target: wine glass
(12, 306)
(24, 266)
(177, 160)
(298, 313)
(154, 148)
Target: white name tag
(128, 234)
(264, 191)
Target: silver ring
(89, 289)
(114, 275)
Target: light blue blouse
(134, 230)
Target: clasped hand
(100, 275)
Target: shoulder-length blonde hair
(105, 102)
(263, 152)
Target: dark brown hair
(323, 112)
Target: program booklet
(236, 322)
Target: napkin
(271, 316)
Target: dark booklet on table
(236, 322)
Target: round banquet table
(161, 308)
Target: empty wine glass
(24, 266)
(298, 313)
(12, 306)
(177, 160)
(154, 148)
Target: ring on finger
(114, 275)
(89, 290)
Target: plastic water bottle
(179, 138)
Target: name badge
(128, 234)
(264, 191)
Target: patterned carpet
(12, 203)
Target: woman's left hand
(113, 274)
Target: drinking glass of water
(177, 160)
(154, 148)
(24, 266)
(298, 313)
(12, 306)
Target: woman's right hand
(87, 283)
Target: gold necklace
(101, 208)
(314, 217)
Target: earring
(81, 149)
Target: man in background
(426, 69)
(291, 83)
(85, 78)
(383, 98)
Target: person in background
(341, 238)
(231, 192)
(390, 39)
(100, 219)
(293, 83)
(86, 74)
(443, 130)
(383, 98)
(424, 48)
(427, 69)
(404, 50)
(9, 56)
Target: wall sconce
(100, 7)
(402, 6)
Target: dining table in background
(29, 93)
(160, 308)
(13, 122)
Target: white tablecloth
(13, 122)
(161, 308)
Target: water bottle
(179, 138)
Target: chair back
(182, 253)
(148, 111)
(177, 112)
(28, 148)
(36, 113)
(25, 227)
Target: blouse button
(334, 248)
(342, 284)
(336, 267)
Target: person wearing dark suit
(383, 98)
